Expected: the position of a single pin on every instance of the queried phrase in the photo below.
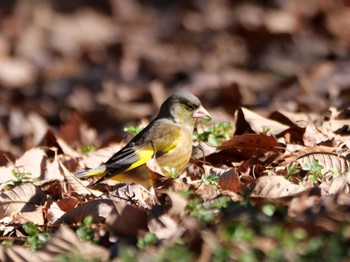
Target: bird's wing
(154, 141)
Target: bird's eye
(190, 107)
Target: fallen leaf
(249, 145)
(99, 209)
(23, 198)
(275, 187)
(246, 119)
(76, 184)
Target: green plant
(268, 209)
(85, 230)
(36, 237)
(147, 240)
(75, 256)
(6, 243)
(19, 178)
(133, 130)
(172, 171)
(215, 134)
(176, 253)
(314, 170)
(266, 129)
(206, 212)
(210, 179)
(292, 169)
(87, 149)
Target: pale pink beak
(201, 113)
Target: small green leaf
(210, 179)
(88, 220)
(269, 209)
(30, 228)
(133, 130)
(87, 149)
(147, 240)
(6, 243)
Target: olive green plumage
(168, 138)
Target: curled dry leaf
(67, 203)
(23, 198)
(246, 119)
(340, 184)
(228, 178)
(313, 136)
(99, 210)
(275, 187)
(249, 145)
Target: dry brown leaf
(278, 21)
(246, 119)
(65, 241)
(99, 210)
(6, 175)
(23, 198)
(54, 213)
(299, 119)
(73, 32)
(340, 184)
(178, 205)
(76, 184)
(50, 140)
(30, 162)
(15, 73)
(249, 145)
(325, 212)
(329, 161)
(18, 253)
(134, 194)
(164, 226)
(67, 203)
(207, 191)
(97, 157)
(313, 136)
(228, 178)
(36, 217)
(127, 220)
(275, 187)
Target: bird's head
(183, 108)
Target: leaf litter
(73, 76)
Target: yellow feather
(144, 156)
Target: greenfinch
(167, 138)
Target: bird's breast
(179, 156)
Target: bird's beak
(201, 113)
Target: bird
(167, 139)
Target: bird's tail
(98, 172)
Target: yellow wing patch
(144, 155)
